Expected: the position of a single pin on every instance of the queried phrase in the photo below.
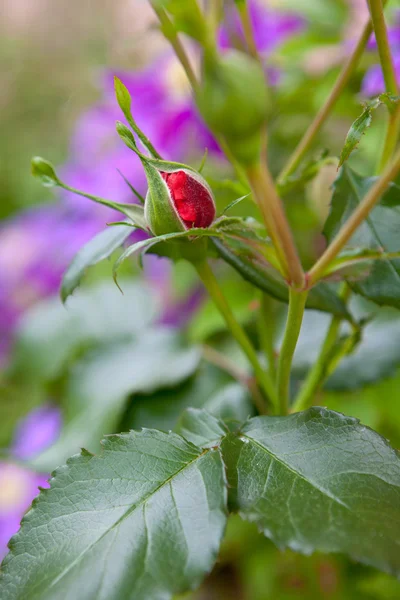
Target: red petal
(192, 200)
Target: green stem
(274, 217)
(389, 76)
(266, 331)
(382, 41)
(359, 215)
(208, 278)
(320, 370)
(297, 302)
(324, 112)
(243, 10)
(170, 33)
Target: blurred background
(106, 362)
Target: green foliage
(97, 249)
(322, 482)
(254, 267)
(102, 381)
(200, 428)
(363, 122)
(45, 172)
(129, 510)
(124, 101)
(379, 232)
(357, 130)
(340, 481)
(208, 388)
(145, 517)
(49, 334)
(375, 356)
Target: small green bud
(234, 102)
(177, 200)
(44, 171)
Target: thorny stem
(208, 278)
(341, 82)
(389, 76)
(319, 371)
(359, 215)
(297, 302)
(274, 217)
(218, 359)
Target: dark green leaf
(318, 480)
(101, 383)
(381, 283)
(98, 248)
(200, 428)
(143, 520)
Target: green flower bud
(234, 102)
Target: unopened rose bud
(180, 200)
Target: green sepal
(159, 210)
(160, 213)
(45, 172)
(133, 190)
(195, 232)
(162, 165)
(124, 100)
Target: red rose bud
(192, 198)
(185, 202)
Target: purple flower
(35, 249)
(270, 27)
(36, 432)
(19, 485)
(373, 83)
